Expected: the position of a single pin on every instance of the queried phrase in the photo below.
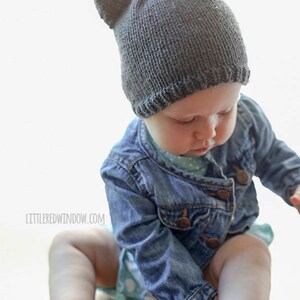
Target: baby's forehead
(216, 99)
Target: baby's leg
(241, 269)
(80, 259)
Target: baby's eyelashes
(186, 121)
(225, 112)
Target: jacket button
(213, 243)
(243, 177)
(183, 222)
(223, 194)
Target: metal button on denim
(212, 243)
(223, 194)
(243, 177)
(183, 222)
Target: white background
(62, 108)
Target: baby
(179, 184)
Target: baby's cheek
(222, 136)
(175, 145)
(225, 130)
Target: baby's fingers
(295, 199)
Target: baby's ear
(111, 10)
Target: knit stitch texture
(170, 49)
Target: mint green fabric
(194, 165)
(263, 232)
(130, 284)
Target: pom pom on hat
(111, 10)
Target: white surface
(62, 108)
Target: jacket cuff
(206, 292)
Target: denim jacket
(173, 221)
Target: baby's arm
(295, 199)
(77, 260)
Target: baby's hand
(295, 199)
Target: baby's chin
(198, 152)
(189, 152)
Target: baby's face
(198, 123)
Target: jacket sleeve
(167, 267)
(278, 167)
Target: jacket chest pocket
(201, 229)
(182, 219)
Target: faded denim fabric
(173, 222)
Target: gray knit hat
(170, 49)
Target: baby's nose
(206, 129)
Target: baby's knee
(257, 249)
(251, 247)
(83, 240)
(239, 249)
(61, 240)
